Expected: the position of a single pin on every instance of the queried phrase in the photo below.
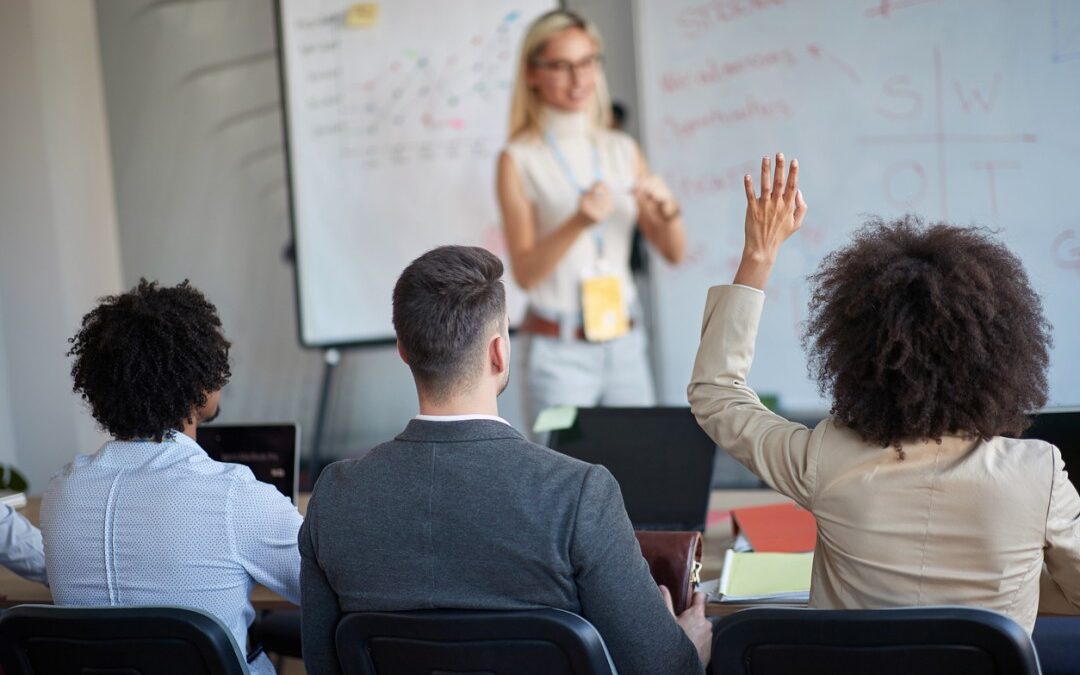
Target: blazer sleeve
(1062, 547)
(780, 452)
(321, 611)
(617, 592)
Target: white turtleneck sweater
(555, 198)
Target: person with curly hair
(933, 347)
(150, 519)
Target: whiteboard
(395, 114)
(960, 110)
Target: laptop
(1060, 426)
(271, 451)
(661, 458)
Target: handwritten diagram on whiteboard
(957, 110)
(396, 113)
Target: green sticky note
(555, 418)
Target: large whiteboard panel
(396, 111)
(961, 110)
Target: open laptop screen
(269, 450)
(1062, 428)
(661, 458)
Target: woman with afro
(933, 347)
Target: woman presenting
(571, 191)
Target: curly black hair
(146, 359)
(921, 331)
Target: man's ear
(401, 352)
(499, 353)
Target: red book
(777, 528)
(717, 518)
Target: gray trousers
(587, 374)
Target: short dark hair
(921, 331)
(145, 359)
(445, 302)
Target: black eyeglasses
(564, 68)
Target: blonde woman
(571, 191)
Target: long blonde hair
(526, 109)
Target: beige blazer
(960, 523)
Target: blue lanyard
(598, 176)
(598, 172)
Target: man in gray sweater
(460, 511)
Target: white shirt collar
(139, 451)
(460, 418)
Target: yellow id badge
(602, 307)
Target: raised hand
(771, 217)
(596, 204)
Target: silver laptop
(271, 451)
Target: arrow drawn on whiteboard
(818, 53)
(1063, 257)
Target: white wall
(193, 108)
(7, 427)
(194, 113)
(194, 134)
(615, 19)
(57, 224)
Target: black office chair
(1057, 642)
(527, 642)
(47, 640)
(924, 640)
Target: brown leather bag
(675, 561)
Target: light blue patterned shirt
(20, 546)
(144, 523)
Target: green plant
(12, 479)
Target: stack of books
(15, 500)
(765, 578)
(774, 528)
(772, 557)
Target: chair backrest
(48, 640)
(526, 642)
(924, 640)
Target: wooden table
(1052, 601)
(719, 538)
(14, 590)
